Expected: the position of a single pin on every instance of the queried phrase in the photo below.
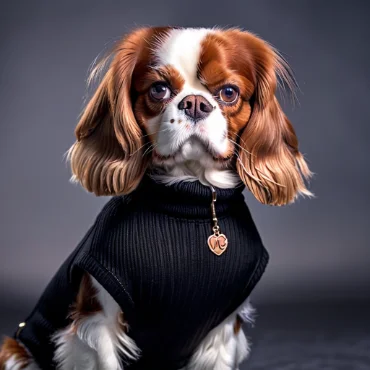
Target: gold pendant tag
(217, 242)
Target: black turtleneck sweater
(149, 251)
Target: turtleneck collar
(186, 199)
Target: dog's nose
(196, 107)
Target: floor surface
(309, 336)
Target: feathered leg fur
(13, 356)
(226, 346)
(95, 340)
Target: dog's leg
(13, 356)
(97, 337)
(226, 346)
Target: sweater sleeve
(98, 256)
(52, 310)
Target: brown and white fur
(184, 104)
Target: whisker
(156, 132)
(245, 150)
(260, 172)
(255, 178)
(151, 148)
(139, 148)
(268, 179)
(233, 132)
(257, 169)
(246, 171)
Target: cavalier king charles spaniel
(184, 104)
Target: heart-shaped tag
(217, 243)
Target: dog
(187, 106)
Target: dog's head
(198, 101)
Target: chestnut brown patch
(217, 65)
(217, 68)
(268, 161)
(144, 107)
(122, 323)
(107, 158)
(86, 303)
(9, 348)
(168, 74)
(238, 324)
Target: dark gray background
(319, 248)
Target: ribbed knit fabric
(149, 250)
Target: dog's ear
(107, 156)
(269, 161)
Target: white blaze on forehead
(176, 136)
(182, 49)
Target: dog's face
(172, 97)
(192, 98)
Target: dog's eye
(160, 91)
(228, 94)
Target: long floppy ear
(269, 161)
(107, 156)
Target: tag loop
(217, 242)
